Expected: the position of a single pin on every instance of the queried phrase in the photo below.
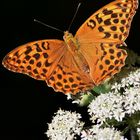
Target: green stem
(132, 134)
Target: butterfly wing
(110, 62)
(101, 36)
(68, 76)
(37, 59)
(110, 23)
(49, 60)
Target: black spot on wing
(36, 56)
(107, 34)
(45, 55)
(47, 64)
(107, 12)
(27, 57)
(113, 28)
(35, 71)
(114, 15)
(107, 22)
(101, 67)
(110, 67)
(59, 76)
(91, 23)
(98, 19)
(45, 45)
(107, 62)
(18, 61)
(29, 49)
(31, 61)
(101, 29)
(38, 64)
(37, 47)
(116, 21)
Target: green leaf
(103, 88)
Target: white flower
(138, 128)
(64, 126)
(130, 79)
(114, 105)
(131, 100)
(105, 106)
(97, 133)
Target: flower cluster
(106, 106)
(65, 125)
(116, 105)
(122, 101)
(127, 79)
(97, 133)
(131, 100)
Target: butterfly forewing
(109, 24)
(37, 59)
(102, 34)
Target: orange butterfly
(82, 61)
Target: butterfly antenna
(74, 16)
(35, 20)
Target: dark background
(27, 105)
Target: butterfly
(80, 62)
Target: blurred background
(27, 105)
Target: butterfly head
(70, 41)
(67, 36)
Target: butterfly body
(84, 60)
(74, 47)
(71, 42)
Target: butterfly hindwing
(111, 61)
(67, 77)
